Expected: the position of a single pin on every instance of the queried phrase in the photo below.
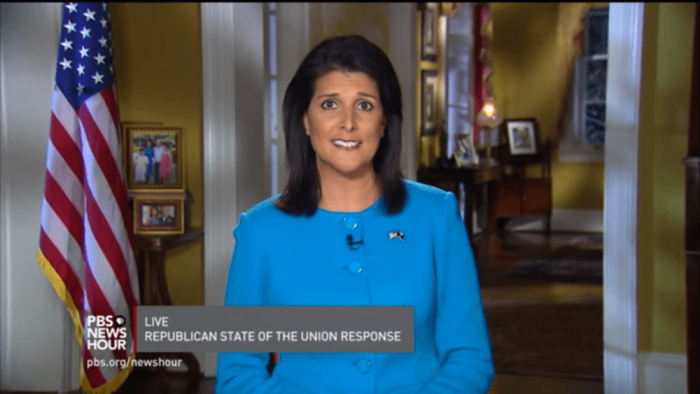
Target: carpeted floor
(568, 264)
(579, 261)
(543, 305)
(557, 340)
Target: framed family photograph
(522, 136)
(161, 215)
(153, 159)
(429, 29)
(429, 108)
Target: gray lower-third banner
(274, 329)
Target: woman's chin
(355, 172)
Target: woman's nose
(348, 121)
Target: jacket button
(355, 267)
(350, 222)
(364, 365)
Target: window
(592, 71)
(584, 136)
(460, 46)
(271, 78)
(459, 71)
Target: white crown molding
(563, 220)
(582, 155)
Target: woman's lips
(346, 144)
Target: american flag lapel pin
(396, 234)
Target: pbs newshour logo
(106, 332)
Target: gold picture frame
(153, 159)
(429, 31)
(159, 215)
(429, 102)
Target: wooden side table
(471, 177)
(157, 247)
(519, 194)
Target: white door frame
(235, 170)
(625, 39)
(33, 320)
(621, 178)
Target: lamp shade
(489, 116)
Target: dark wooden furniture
(516, 194)
(156, 248)
(473, 179)
(692, 223)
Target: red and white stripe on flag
(86, 240)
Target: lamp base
(489, 162)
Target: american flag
(86, 241)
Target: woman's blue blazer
(284, 260)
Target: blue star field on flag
(85, 52)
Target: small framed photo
(465, 151)
(153, 159)
(429, 108)
(429, 29)
(522, 136)
(159, 215)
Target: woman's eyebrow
(334, 95)
(367, 95)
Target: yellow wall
(524, 50)
(666, 73)
(370, 20)
(158, 70)
(523, 61)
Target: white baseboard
(662, 373)
(563, 220)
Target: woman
(165, 165)
(332, 234)
(154, 216)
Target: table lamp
(489, 119)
